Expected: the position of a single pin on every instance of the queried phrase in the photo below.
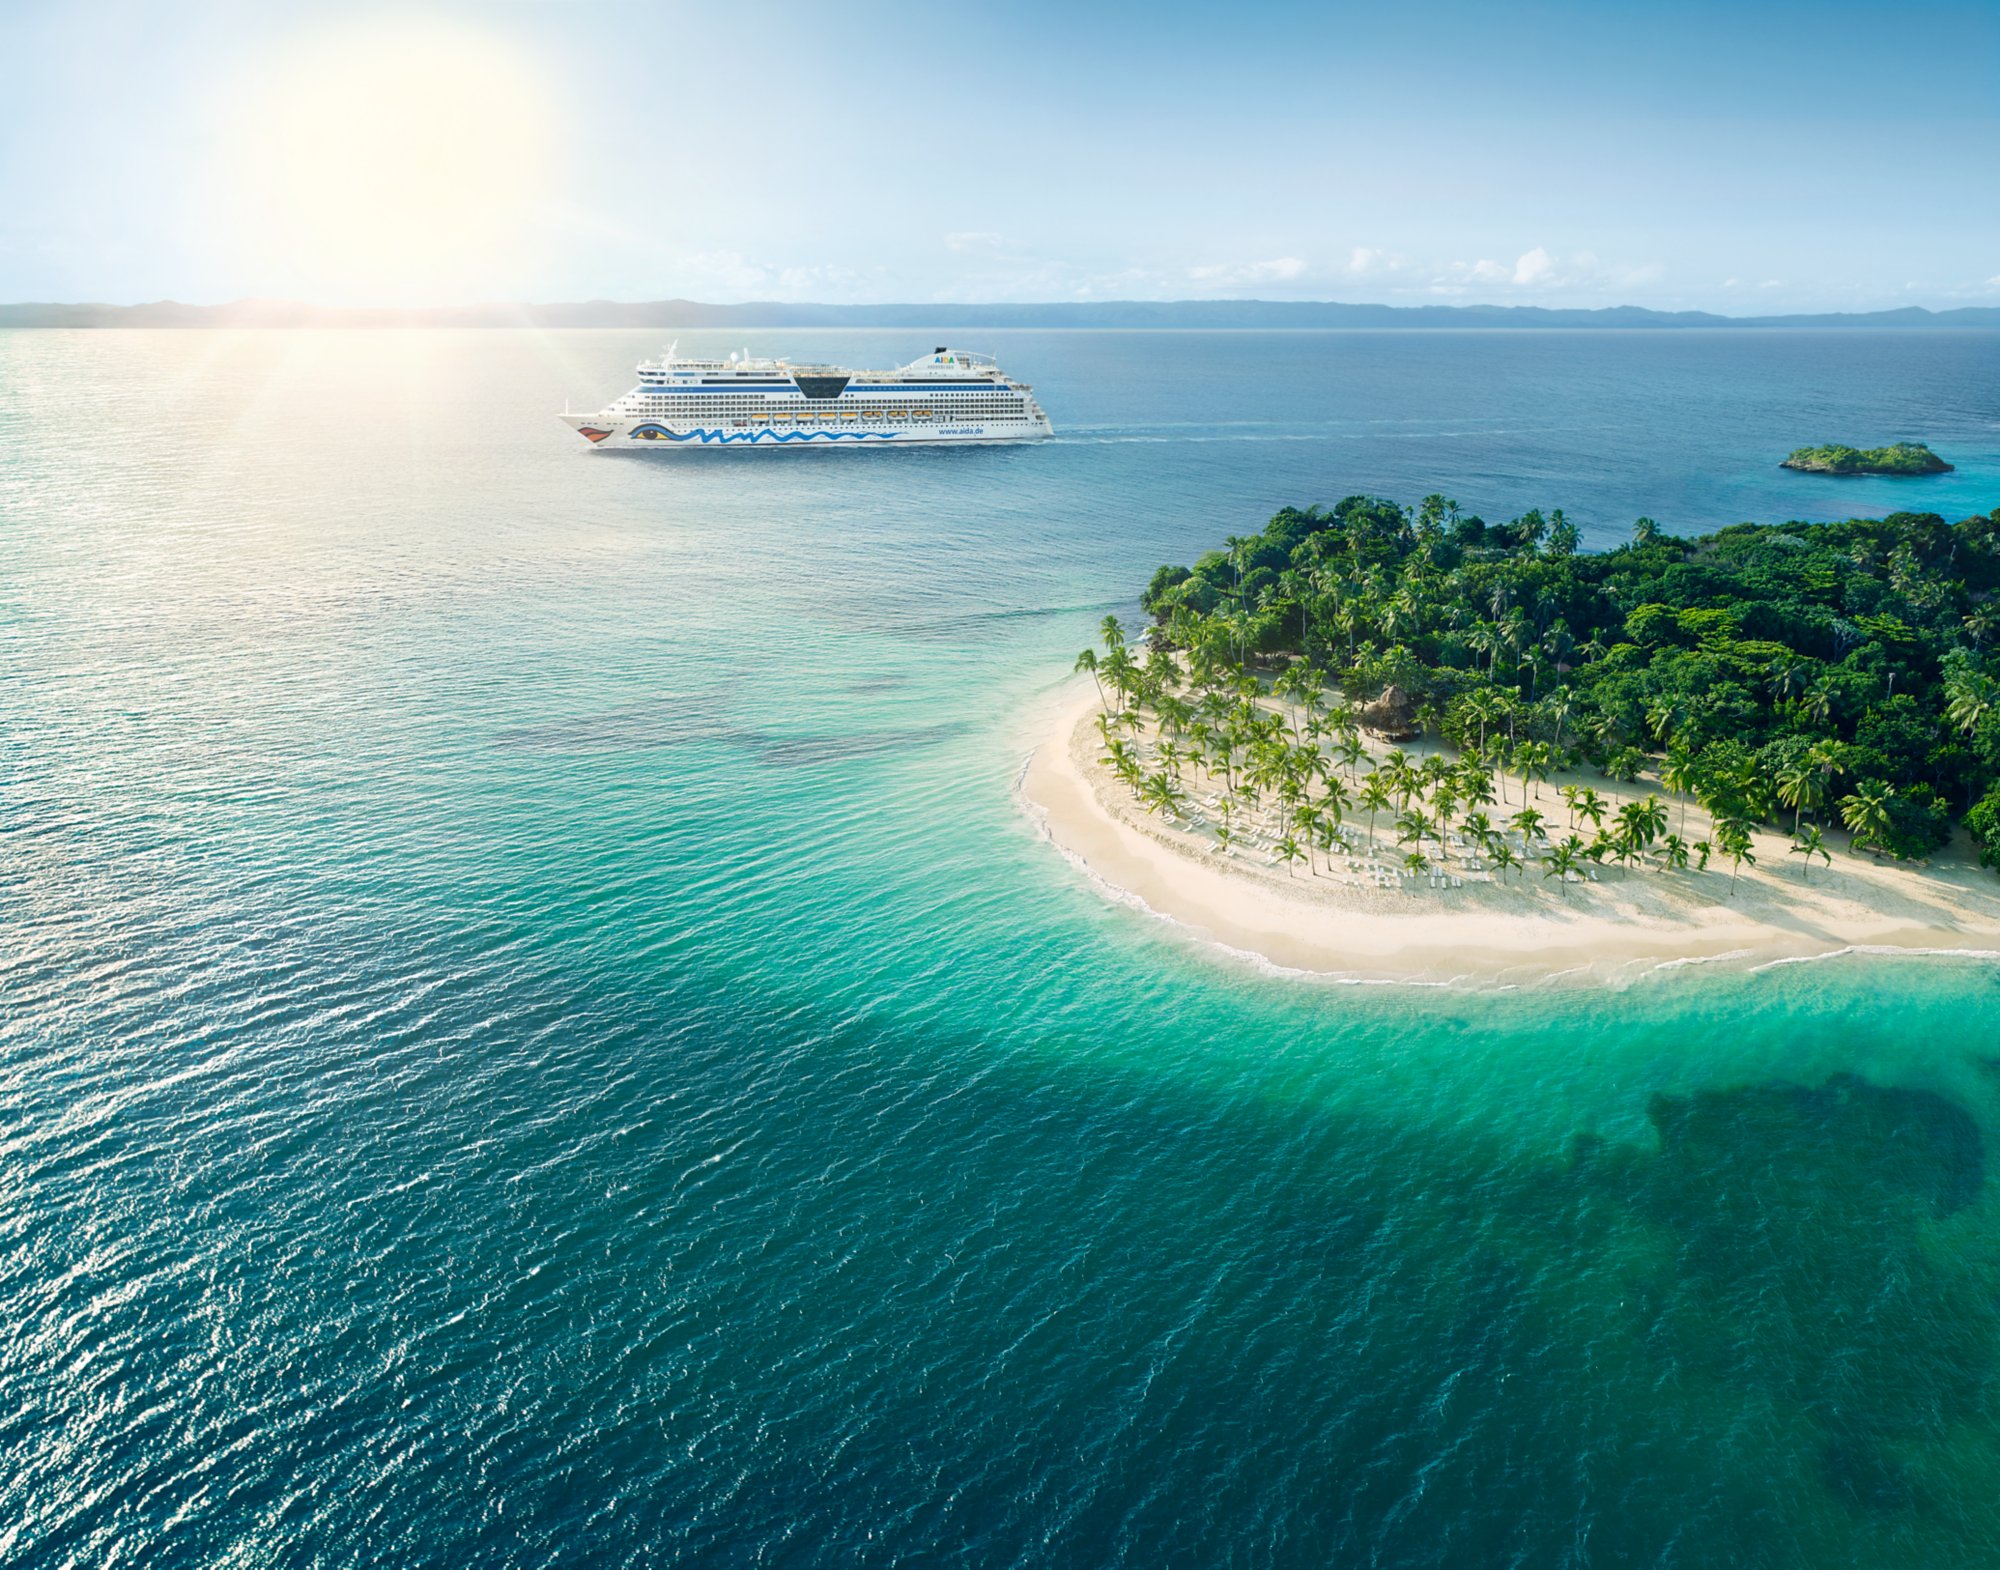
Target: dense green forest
(1838, 675)
(1898, 458)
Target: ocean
(535, 1031)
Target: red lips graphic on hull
(592, 433)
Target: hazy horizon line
(699, 314)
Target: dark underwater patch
(671, 722)
(1803, 1268)
(776, 750)
(1773, 1139)
(660, 722)
(1863, 1476)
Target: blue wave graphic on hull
(753, 437)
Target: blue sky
(1743, 159)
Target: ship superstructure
(947, 396)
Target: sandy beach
(1474, 928)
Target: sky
(1741, 158)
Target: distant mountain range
(691, 314)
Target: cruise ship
(947, 396)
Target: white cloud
(1534, 267)
(1279, 269)
(728, 271)
(1367, 261)
(729, 275)
(1544, 272)
(990, 266)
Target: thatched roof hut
(1392, 716)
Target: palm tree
(1639, 824)
(1561, 703)
(1801, 784)
(1535, 759)
(1375, 796)
(1236, 545)
(1289, 849)
(1732, 837)
(1664, 718)
(1788, 678)
(1645, 532)
(1561, 861)
(1866, 813)
(1969, 697)
(1484, 639)
(1830, 758)
(1112, 633)
(1477, 787)
(1531, 825)
(1590, 805)
(1308, 824)
(1504, 857)
(1810, 844)
(1674, 853)
(1119, 672)
(1087, 661)
(1679, 774)
(1161, 795)
(1124, 763)
(1335, 802)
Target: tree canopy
(1837, 673)
(1897, 458)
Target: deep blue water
(533, 1031)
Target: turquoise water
(534, 1031)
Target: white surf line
(1878, 950)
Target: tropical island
(1401, 742)
(1896, 458)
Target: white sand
(1525, 929)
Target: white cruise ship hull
(607, 432)
(748, 404)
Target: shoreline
(1475, 932)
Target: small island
(1897, 458)
(1389, 743)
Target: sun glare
(395, 162)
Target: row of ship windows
(804, 419)
(849, 403)
(727, 406)
(830, 418)
(859, 397)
